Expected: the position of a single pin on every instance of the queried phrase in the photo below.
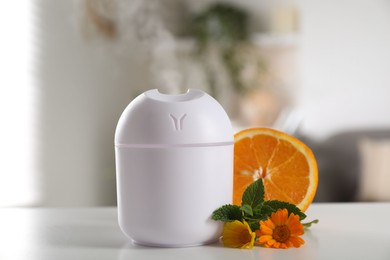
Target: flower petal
(231, 242)
(264, 239)
(266, 230)
(296, 226)
(268, 223)
(233, 227)
(279, 217)
(296, 241)
(297, 230)
(276, 218)
(283, 246)
(238, 234)
(289, 243)
(285, 215)
(271, 242)
(250, 244)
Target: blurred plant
(223, 47)
(221, 23)
(224, 29)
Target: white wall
(345, 62)
(84, 85)
(17, 182)
(346, 65)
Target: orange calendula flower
(281, 230)
(238, 234)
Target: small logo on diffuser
(178, 122)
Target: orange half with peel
(286, 165)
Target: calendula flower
(238, 234)
(281, 230)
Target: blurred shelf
(275, 40)
(260, 39)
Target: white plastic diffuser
(174, 163)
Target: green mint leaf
(254, 220)
(254, 194)
(273, 205)
(254, 224)
(227, 213)
(266, 211)
(247, 209)
(257, 212)
(309, 224)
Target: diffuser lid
(192, 118)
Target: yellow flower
(281, 230)
(238, 234)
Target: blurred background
(319, 70)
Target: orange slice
(286, 165)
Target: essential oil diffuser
(174, 163)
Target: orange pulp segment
(286, 165)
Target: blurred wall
(84, 84)
(17, 113)
(345, 64)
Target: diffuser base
(141, 243)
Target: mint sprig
(228, 213)
(253, 196)
(273, 205)
(309, 224)
(254, 208)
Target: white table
(345, 231)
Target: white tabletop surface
(345, 231)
